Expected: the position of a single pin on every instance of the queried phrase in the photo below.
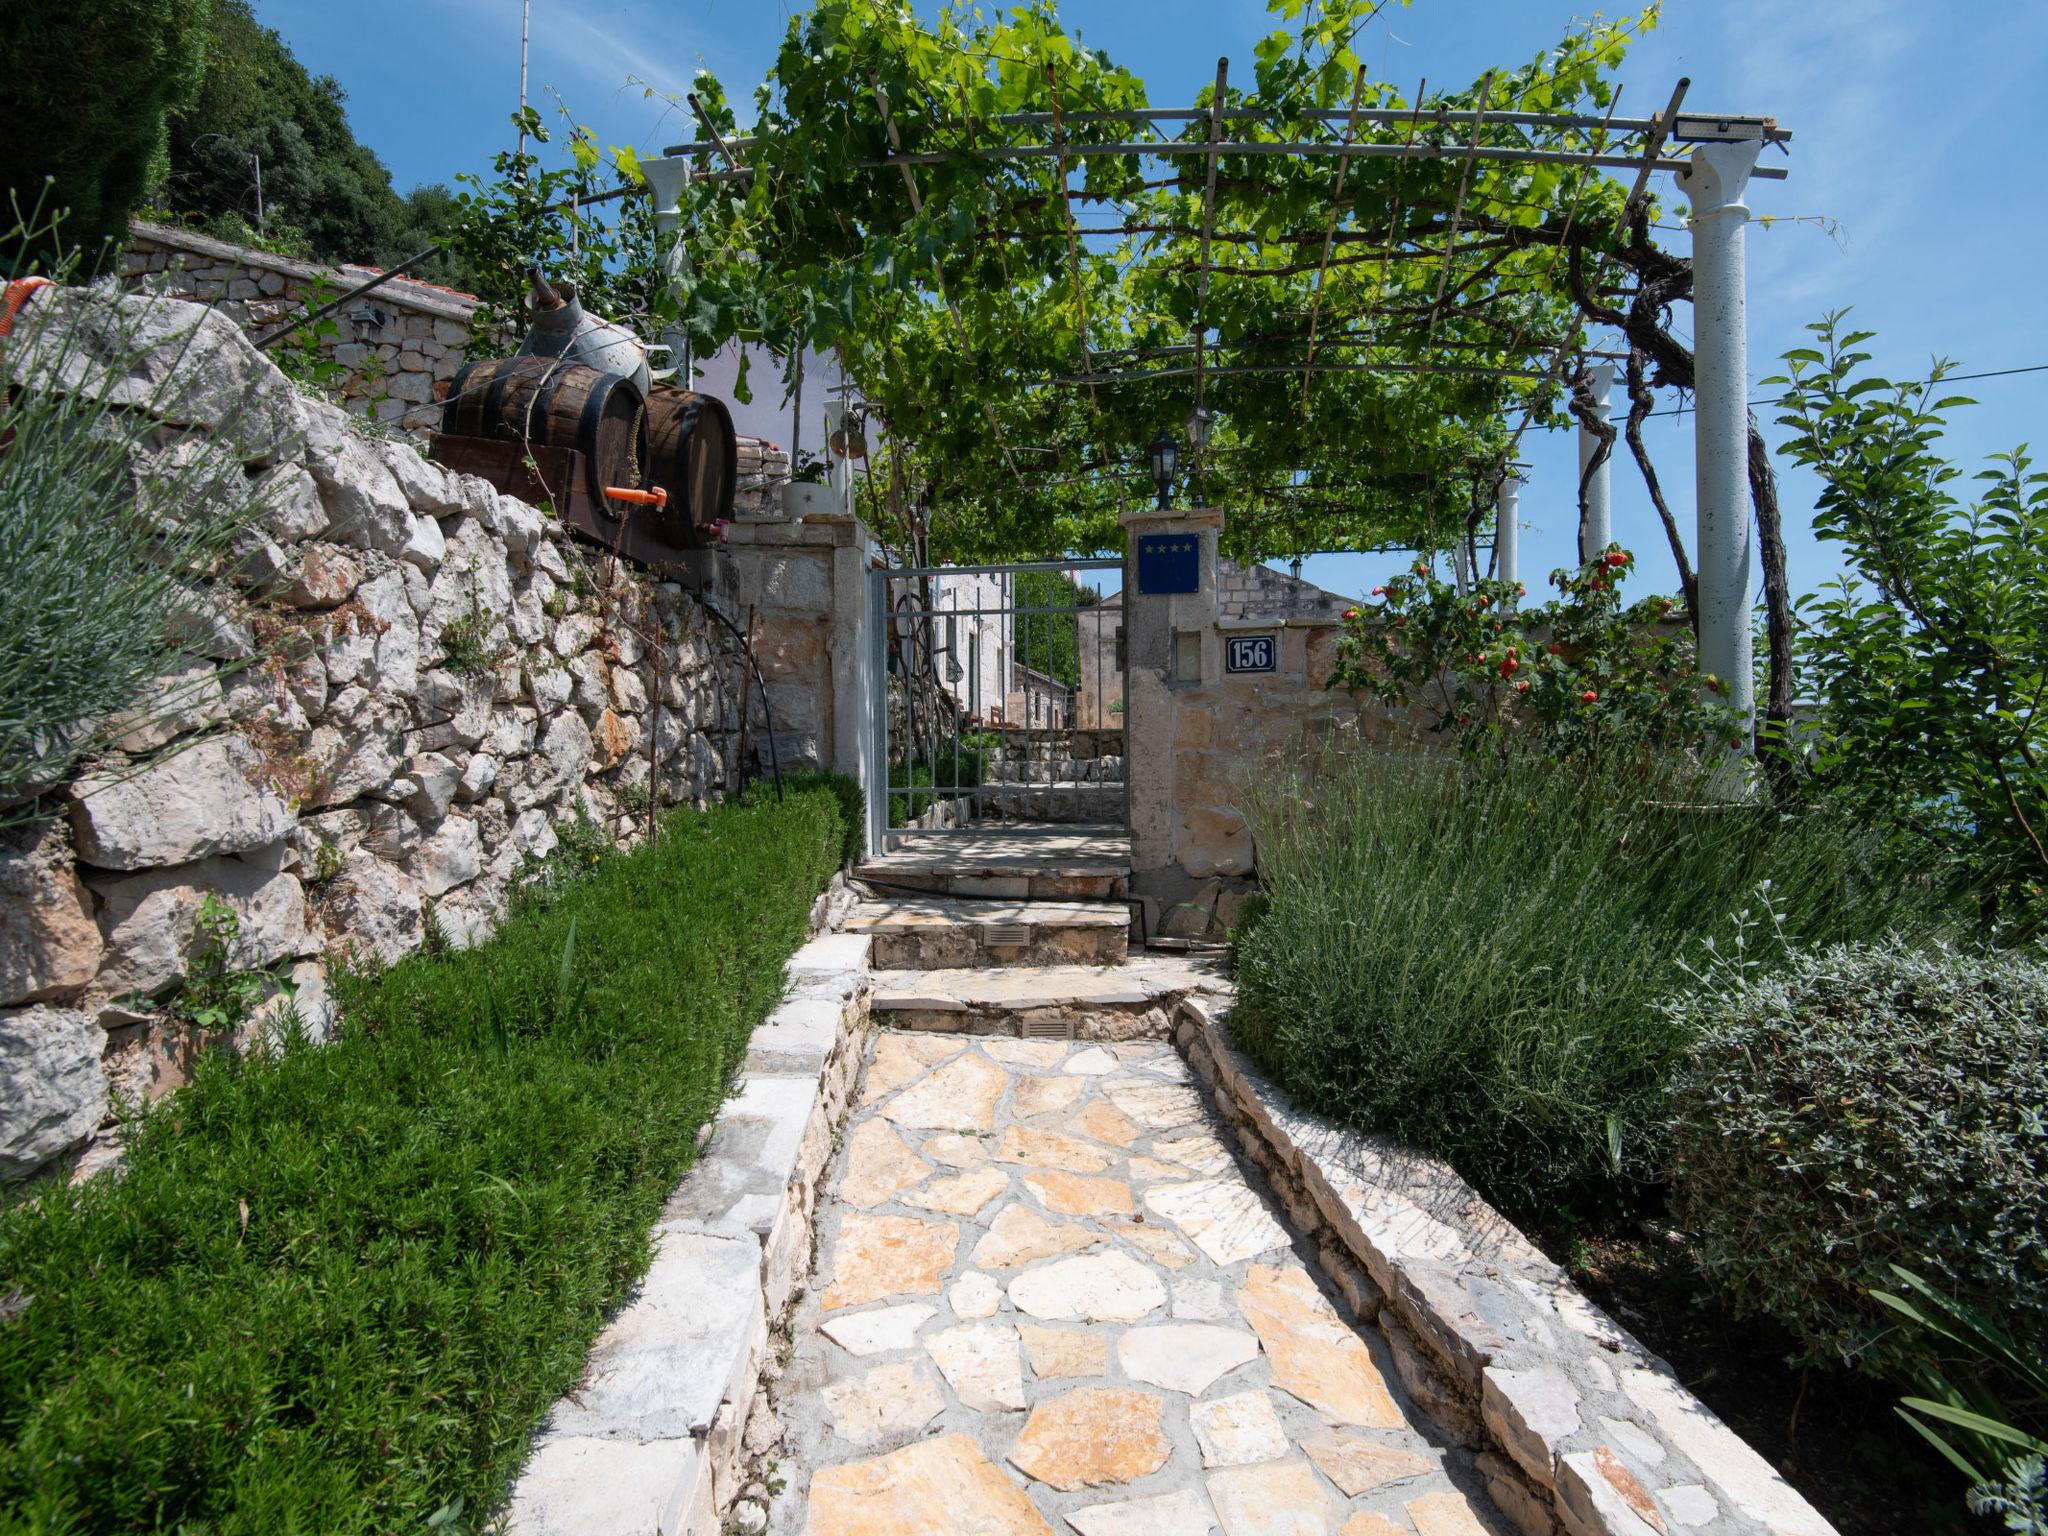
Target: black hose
(354, 293)
(767, 710)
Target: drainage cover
(1045, 1029)
(1005, 935)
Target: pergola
(1459, 321)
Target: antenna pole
(525, 18)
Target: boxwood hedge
(1862, 1107)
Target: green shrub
(1470, 957)
(107, 536)
(1861, 1108)
(853, 805)
(1928, 656)
(336, 1288)
(88, 89)
(938, 770)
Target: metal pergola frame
(1415, 133)
(1724, 151)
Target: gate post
(806, 586)
(1170, 642)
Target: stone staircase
(1082, 791)
(1017, 930)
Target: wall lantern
(1165, 456)
(1200, 420)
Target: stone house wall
(398, 342)
(408, 687)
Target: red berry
(1556, 648)
(1350, 613)
(1379, 591)
(1616, 559)
(1522, 687)
(1589, 697)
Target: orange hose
(654, 496)
(18, 293)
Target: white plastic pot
(802, 499)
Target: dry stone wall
(400, 342)
(406, 688)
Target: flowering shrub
(1581, 676)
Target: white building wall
(975, 661)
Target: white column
(1507, 528)
(1596, 522)
(1715, 181)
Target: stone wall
(1579, 1430)
(406, 687)
(1201, 733)
(398, 342)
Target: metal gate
(997, 699)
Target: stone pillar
(807, 587)
(1596, 508)
(1507, 529)
(1170, 642)
(1715, 181)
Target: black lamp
(1165, 456)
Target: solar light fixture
(1165, 456)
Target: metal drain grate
(1045, 1029)
(1005, 935)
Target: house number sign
(1248, 653)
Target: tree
(325, 194)
(89, 85)
(1931, 658)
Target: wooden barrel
(562, 405)
(691, 452)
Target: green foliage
(467, 648)
(1970, 1423)
(1470, 956)
(1582, 677)
(1931, 659)
(951, 316)
(325, 195)
(302, 355)
(335, 1289)
(1858, 1108)
(217, 995)
(107, 537)
(853, 803)
(936, 771)
(530, 214)
(1051, 642)
(89, 85)
(582, 844)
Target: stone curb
(1578, 1427)
(649, 1443)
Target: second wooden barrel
(691, 452)
(562, 405)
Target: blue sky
(1908, 116)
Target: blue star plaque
(1169, 563)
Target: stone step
(1084, 1002)
(926, 933)
(1025, 863)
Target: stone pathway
(1048, 1298)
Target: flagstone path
(1049, 1299)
